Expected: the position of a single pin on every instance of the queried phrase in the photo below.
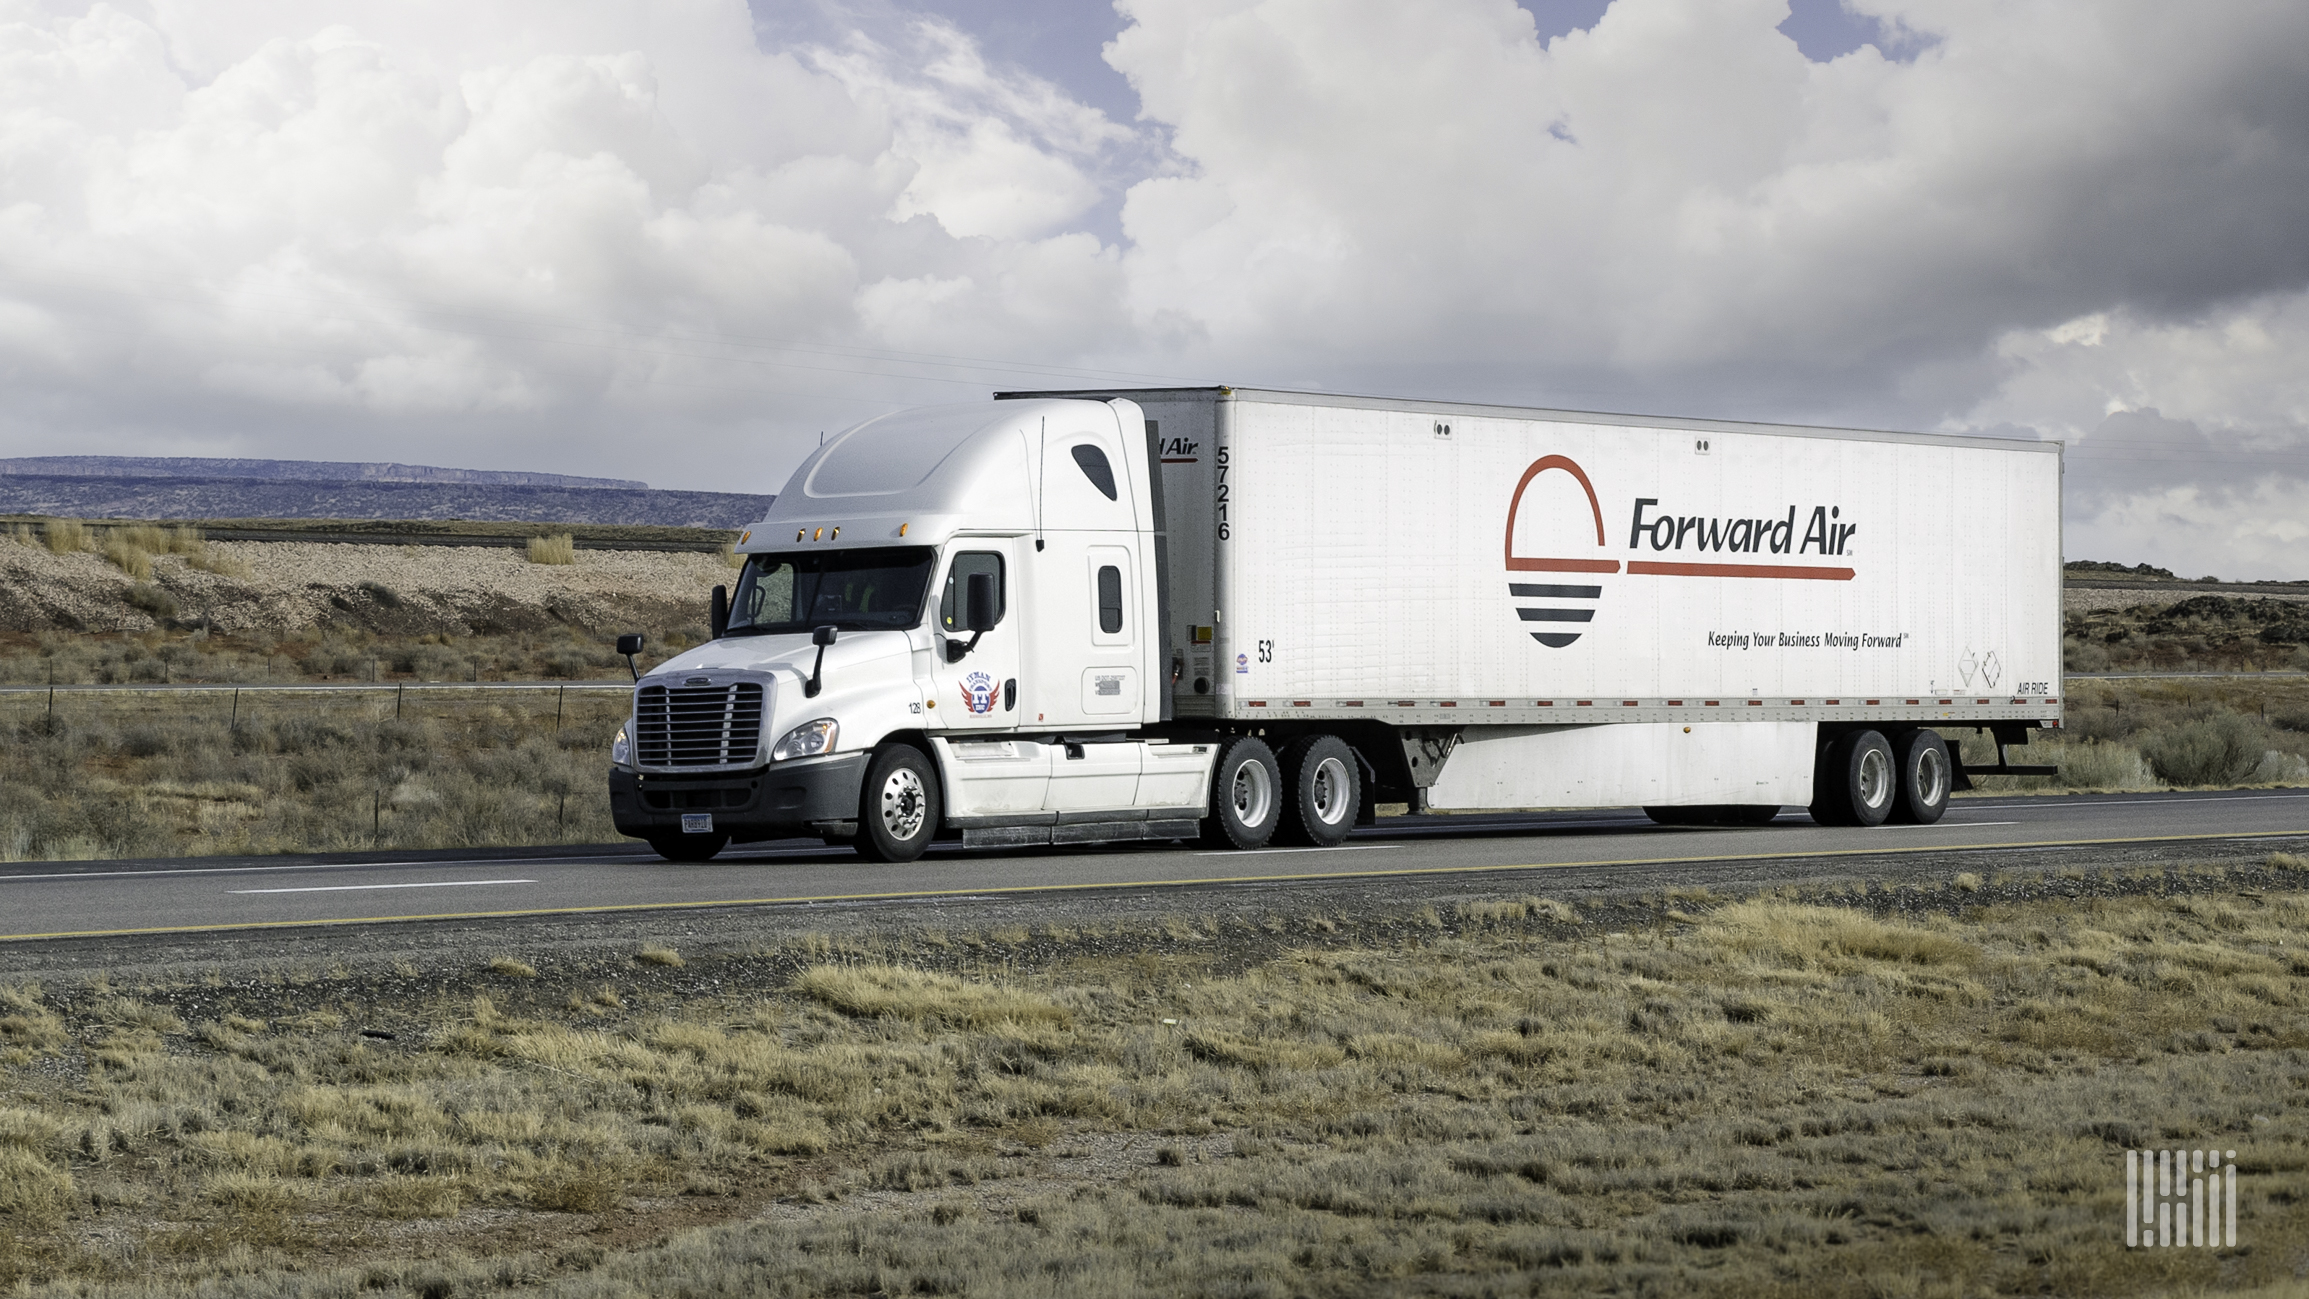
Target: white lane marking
(309, 866)
(358, 888)
(1947, 825)
(2056, 802)
(1261, 852)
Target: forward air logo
(978, 693)
(1565, 511)
(1560, 608)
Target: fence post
(560, 702)
(235, 724)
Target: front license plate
(697, 823)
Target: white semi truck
(1227, 614)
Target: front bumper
(807, 796)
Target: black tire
(1856, 781)
(1322, 788)
(1246, 795)
(1927, 774)
(898, 806)
(688, 847)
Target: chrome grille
(697, 726)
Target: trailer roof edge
(1217, 392)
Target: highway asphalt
(124, 898)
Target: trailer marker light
(1797, 702)
(1301, 703)
(902, 529)
(1980, 701)
(1709, 702)
(1874, 702)
(800, 533)
(837, 534)
(1351, 703)
(1687, 730)
(1499, 703)
(1406, 703)
(819, 535)
(1627, 703)
(1256, 703)
(1546, 703)
(746, 536)
(1675, 703)
(1447, 703)
(1831, 702)
(1583, 703)
(1914, 701)
(2049, 701)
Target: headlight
(806, 741)
(621, 748)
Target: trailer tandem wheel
(1246, 793)
(1321, 790)
(1926, 775)
(1856, 782)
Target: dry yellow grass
(64, 535)
(560, 548)
(1774, 1098)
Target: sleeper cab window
(1109, 599)
(950, 601)
(1096, 469)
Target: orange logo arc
(1526, 564)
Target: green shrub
(152, 599)
(2221, 749)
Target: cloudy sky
(675, 239)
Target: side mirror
(979, 611)
(721, 612)
(629, 645)
(820, 637)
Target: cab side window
(950, 601)
(1109, 599)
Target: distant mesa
(191, 488)
(307, 471)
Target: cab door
(974, 675)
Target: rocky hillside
(286, 587)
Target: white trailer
(1090, 616)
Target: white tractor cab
(948, 621)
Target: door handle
(1010, 694)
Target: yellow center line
(1382, 873)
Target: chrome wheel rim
(1330, 791)
(904, 803)
(1931, 777)
(1875, 778)
(1253, 794)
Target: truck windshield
(855, 590)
